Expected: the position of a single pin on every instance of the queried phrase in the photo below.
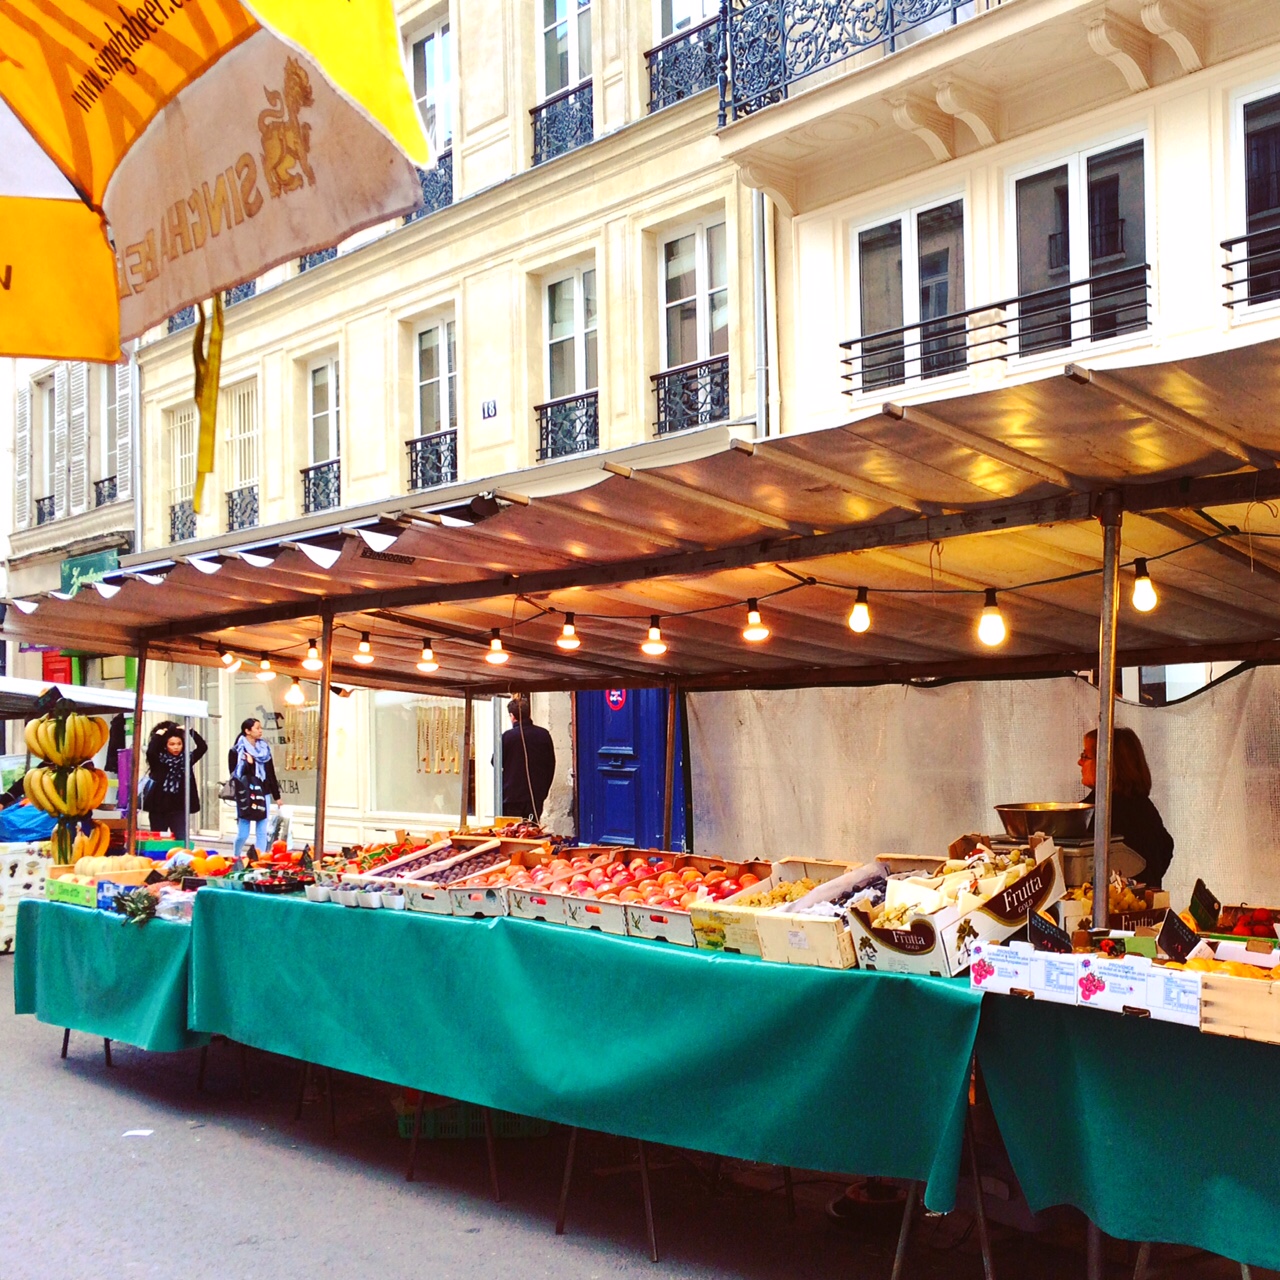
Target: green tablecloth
(838, 1070)
(92, 972)
(1157, 1132)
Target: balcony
(241, 293)
(322, 486)
(183, 319)
(563, 123)
(567, 426)
(44, 510)
(310, 261)
(692, 395)
(182, 521)
(683, 65)
(1253, 268)
(437, 187)
(105, 491)
(1104, 306)
(433, 460)
(772, 45)
(242, 508)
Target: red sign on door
(616, 698)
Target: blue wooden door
(622, 742)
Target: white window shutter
(61, 432)
(124, 428)
(22, 461)
(78, 438)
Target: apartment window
(571, 335)
(437, 379)
(695, 291)
(431, 57)
(48, 430)
(1262, 198)
(566, 44)
(911, 297)
(680, 15)
(107, 422)
(323, 410)
(1082, 250)
(181, 443)
(239, 412)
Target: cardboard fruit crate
(1018, 969)
(535, 904)
(1246, 1008)
(478, 902)
(1140, 987)
(792, 934)
(60, 889)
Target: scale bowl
(1061, 821)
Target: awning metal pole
(1109, 515)
(186, 783)
(669, 783)
(465, 770)
(139, 692)
(322, 729)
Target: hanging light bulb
(364, 651)
(655, 646)
(230, 661)
(860, 616)
(991, 628)
(295, 696)
(755, 630)
(264, 670)
(312, 661)
(427, 663)
(568, 637)
(1144, 593)
(497, 655)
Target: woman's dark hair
(246, 725)
(1130, 773)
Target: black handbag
(251, 803)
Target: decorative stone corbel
(1124, 46)
(935, 129)
(1180, 27)
(975, 107)
(776, 182)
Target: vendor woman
(1133, 817)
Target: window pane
(556, 58)
(680, 258)
(1117, 243)
(560, 309)
(428, 354)
(562, 377)
(880, 281)
(1262, 162)
(584, 39)
(1044, 260)
(682, 333)
(717, 258)
(589, 298)
(429, 408)
(444, 95)
(320, 389)
(416, 753)
(420, 70)
(320, 438)
(591, 370)
(940, 244)
(719, 340)
(453, 380)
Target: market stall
(805, 561)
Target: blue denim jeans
(260, 836)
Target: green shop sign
(80, 570)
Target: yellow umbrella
(156, 152)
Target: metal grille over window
(770, 46)
(182, 473)
(183, 319)
(309, 261)
(684, 64)
(322, 486)
(241, 293)
(568, 426)
(242, 508)
(437, 187)
(1253, 259)
(692, 396)
(104, 491)
(433, 460)
(563, 123)
(238, 411)
(182, 521)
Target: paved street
(223, 1188)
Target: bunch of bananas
(66, 793)
(93, 845)
(69, 739)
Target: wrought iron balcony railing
(44, 509)
(437, 187)
(241, 293)
(433, 460)
(1253, 268)
(684, 64)
(1103, 306)
(242, 508)
(770, 45)
(322, 486)
(563, 123)
(692, 395)
(568, 425)
(105, 491)
(183, 319)
(310, 261)
(182, 521)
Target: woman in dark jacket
(254, 774)
(165, 808)
(1133, 817)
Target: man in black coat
(528, 764)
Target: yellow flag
(208, 372)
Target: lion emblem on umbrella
(286, 141)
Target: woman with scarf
(254, 775)
(164, 802)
